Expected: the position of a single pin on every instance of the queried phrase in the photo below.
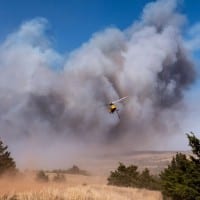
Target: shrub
(73, 170)
(59, 177)
(41, 176)
(76, 170)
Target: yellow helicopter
(112, 107)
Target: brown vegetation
(85, 187)
(76, 187)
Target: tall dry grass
(89, 192)
(76, 187)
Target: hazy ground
(88, 187)
(101, 165)
(76, 187)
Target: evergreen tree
(195, 145)
(181, 180)
(7, 164)
(148, 181)
(129, 176)
(124, 176)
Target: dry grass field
(94, 187)
(76, 188)
(92, 192)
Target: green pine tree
(7, 164)
(195, 145)
(148, 181)
(129, 176)
(181, 179)
(124, 176)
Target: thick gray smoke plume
(45, 111)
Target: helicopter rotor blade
(120, 99)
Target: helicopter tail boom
(123, 98)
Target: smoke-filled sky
(53, 104)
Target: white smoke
(64, 113)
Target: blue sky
(72, 22)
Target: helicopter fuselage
(112, 108)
